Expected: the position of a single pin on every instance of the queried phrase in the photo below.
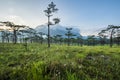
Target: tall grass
(59, 62)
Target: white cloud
(86, 32)
(12, 18)
(15, 19)
(24, 21)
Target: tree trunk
(3, 39)
(68, 40)
(48, 32)
(111, 39)
(7, 39)
(15, 37)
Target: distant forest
(24, 34)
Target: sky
(89, 16)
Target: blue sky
(88, 15)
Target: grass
(59, 62)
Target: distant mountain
(57, 29)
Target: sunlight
(3, 27)
(15, 19)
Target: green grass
(59, 62)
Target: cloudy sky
(89, 15)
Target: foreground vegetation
(59, 62)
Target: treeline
(25, 34)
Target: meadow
(60, 62)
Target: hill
(57, 29)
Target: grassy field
(59, 62)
